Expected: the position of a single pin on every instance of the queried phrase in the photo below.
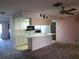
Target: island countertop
(38, 35)
(32, 35)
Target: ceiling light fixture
(43, 16)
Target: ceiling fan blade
(70, 13)
(72, 9)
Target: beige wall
(38, 21)
(67, 29)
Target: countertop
(33, 35)
(39, 34)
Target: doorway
(53, 30)
(0, 31)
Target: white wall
(12, 30)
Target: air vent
(2, 13)
(58, 4)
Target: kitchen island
(39, 40)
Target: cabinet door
(21, 41)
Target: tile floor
(54, 51)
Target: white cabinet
(20, 26)
(39, 41)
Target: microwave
(29, 28)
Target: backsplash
(43, 28)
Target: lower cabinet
(21, 43)
(39, 42)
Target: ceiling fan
(63, 11)
(69, 11)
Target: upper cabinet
(20, 24)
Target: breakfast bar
(39, 40)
